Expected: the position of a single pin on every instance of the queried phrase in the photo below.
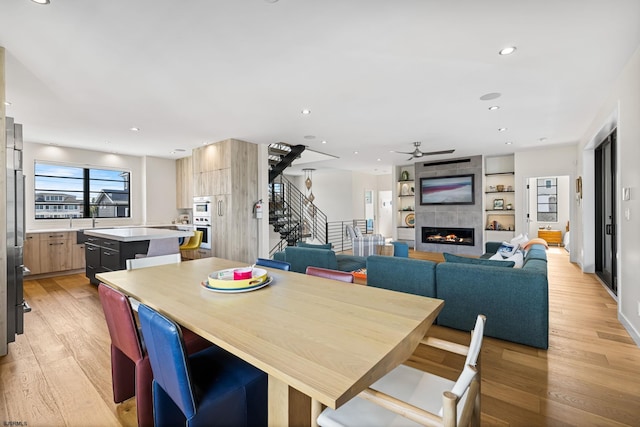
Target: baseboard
(635, 336)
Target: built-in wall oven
(202, 219)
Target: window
(547, 199)
(76, 192)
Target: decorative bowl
(224, 279)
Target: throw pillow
(517, 259)
(311, 246)
(534, 241)
(507, 249)
(520, 239)
(477, 261)
(358, 232)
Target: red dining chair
(130, 368)
(342, 276)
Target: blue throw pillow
(477, 261)
(311, 246)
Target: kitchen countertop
(61, 229)
(134, 234)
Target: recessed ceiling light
(41, 1)
(134, 129)
(355, 152)
(324, 142)
(543, 139)
(379, 160)
(306, 112)
(508, 143)
(502, 129)
(173, 152)
(494, 107)
(7, 103)
(507, 50)
(490, 96)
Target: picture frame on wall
(498, 204)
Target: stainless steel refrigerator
(16, 306)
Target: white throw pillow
(520, 239)
(518, 258)
(357, 231)
(497, 257)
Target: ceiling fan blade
(405, 152)
(434, 153)
(410, 158)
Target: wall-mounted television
(447, 190)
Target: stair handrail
(311, 220)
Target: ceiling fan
(417, 153)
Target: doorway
(605, 198)
(548, 204)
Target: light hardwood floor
(58, 372)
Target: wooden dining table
(320, 341)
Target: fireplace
(448, 235)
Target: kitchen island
(107, 249)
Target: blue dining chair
(281, 265)
(209, 388)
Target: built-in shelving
(405, 204)
(499, 198)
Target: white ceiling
(376, 75)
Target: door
(605, 163)
(385, 213)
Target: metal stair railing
(291, 211)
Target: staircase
(290, 212)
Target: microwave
(201, 206)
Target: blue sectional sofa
(515, 300)
(302, 257)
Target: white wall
(157, 204)
(621, 107)
(557, 161)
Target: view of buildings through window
(547, 199)
(76, 192)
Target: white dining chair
(410, 397)
(152, 261)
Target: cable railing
(293, 215)
(337, 233)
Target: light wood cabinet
(55, 252)
(184, 183)
(31, 252)
(77, 255)
(552, 237)
(196, 254)
(228, 172)
(52, 252)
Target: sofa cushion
(351, 262)
(478, 261)
(515, 301)
(536, 265)
(536, 252)
(313, 245)
(301, 258)
(408, 275)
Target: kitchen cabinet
(109, 255)
(184, 183)
(52, 252)
(55, 252)
(31, 252)
(227, 171)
